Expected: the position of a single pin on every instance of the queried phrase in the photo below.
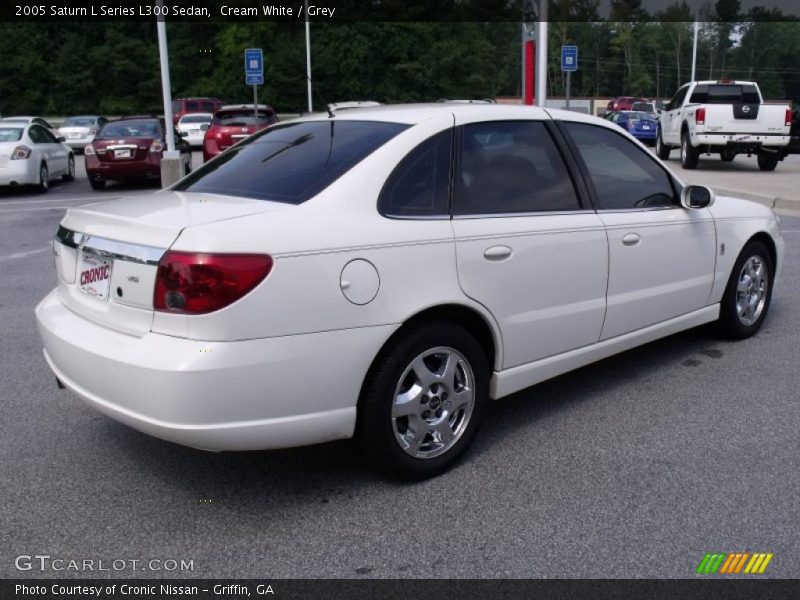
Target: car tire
(689, 154)
(97, 184)
(424, 436)
(70, 174)
(747, 296)
(662, 150)
(767, 161)
(44, 179)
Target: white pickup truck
(724, 117)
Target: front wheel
(423, 400)
(767, 161)
(748, 294)
(689, 154)
(662, 150)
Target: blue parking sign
(569, 58)
(253, 62)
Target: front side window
(420, 185)
(290, 163)
(36, 133)
(511, 167)
(623, 175)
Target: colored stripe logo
(734, 563)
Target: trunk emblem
(745, 109)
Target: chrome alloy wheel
(751, 290)
(433, 402)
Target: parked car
(641, 125)
(233, 123)
(726, 118)
(131, 149)
(79, 131)
(622, 103)
(193, 127)
(28, 120)
(385, 272)
(183, 106)
(31, 155)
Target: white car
(25, 120)
(30, 154)
(193, 126)
(80, 131)
(385, 272)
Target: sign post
(569, 63)
(254, 73)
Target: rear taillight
(88, 150)
(156, 146)
(20, 153)
(93, 131)
(700, 116)
(788, 120)
(193, 283)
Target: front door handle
(631, 239)
(497, 253)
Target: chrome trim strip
(541, 213)
(113, 249)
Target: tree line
(113, 68)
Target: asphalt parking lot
(633, 467)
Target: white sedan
(192, 127)
(384, 272)
(30, 154)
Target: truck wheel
(767, 162)
(662, 150)
(689, 154)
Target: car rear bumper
(645, 135)
(19, 172)
(705, 139)
(242, 395)
(149, 168)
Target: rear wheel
(662, 150)
(689, 154)
(748, 294)
(97, 184)
(423, 400)
(44, 179)
(767, 161)
(70, 174)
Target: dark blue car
(641, 125)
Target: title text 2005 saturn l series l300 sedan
(382, 273)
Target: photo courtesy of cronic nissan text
(383, 299)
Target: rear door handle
(631, 239)
(497, 253)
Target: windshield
(8, 134)
(243, 117)
(196, 119)
(79, 122)
(290, 163)
(133, 128)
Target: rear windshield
(79, 122)
(196, 119)
(8, 134)
(240, 118)
(132, 128)
(290, 163)
(724, 93)
(643, 106)
(639, 116)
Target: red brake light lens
(788, 120)
(195, 283)
(20, 153)
(88, 150)
(156, 146)
(700, 116)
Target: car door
(45, 149)
(58, 153)
(661, 255)
(527, 247)
(671, 119)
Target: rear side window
(724, 93)
(511, 167)
(623, 175)
(290, 163)
(420, 185)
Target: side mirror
(697, 196)
(61, 138)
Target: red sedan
(622, 103)
(130, 149)
(232, 124)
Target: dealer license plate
(126, 153)
(94, 275)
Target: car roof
(245, 106)
(411, 114)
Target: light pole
(171, 167)
(694, 50)
(308, 60)
(541, 55)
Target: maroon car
(232, 124)
(622, 103)
(130, 149)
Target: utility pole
(541, 55)
(171, 167)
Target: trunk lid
(123, 149)
(107, 253)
